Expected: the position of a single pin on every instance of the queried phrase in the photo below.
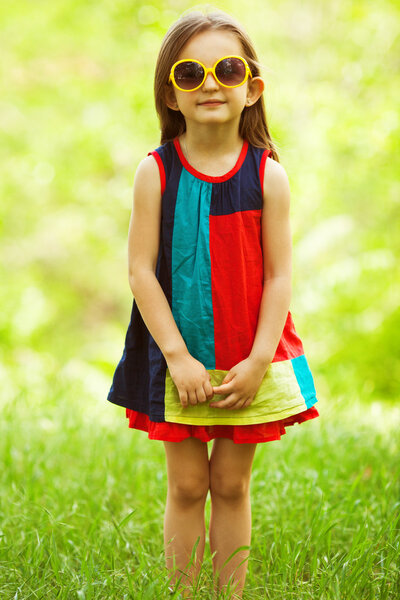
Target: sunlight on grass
(82, 500)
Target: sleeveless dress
(210, 267)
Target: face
(212, 102)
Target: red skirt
(240, 434)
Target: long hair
(253, 121)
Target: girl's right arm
(189, 375)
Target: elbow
(289, 287)
(286, 284)
(138, 277)
(134, 280)
(282, 284)
(284, 280)
(131, 283)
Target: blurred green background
(77, 115)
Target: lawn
(82, 500)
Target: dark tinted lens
(188, 75)
(231, 71)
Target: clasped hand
(193, 383)
(240, 384)
(191, 379)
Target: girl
(211, 351)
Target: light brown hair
(253, 122)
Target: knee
(230, 488)
(189, 490)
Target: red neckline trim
(210, 178)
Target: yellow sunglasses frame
(208, 70)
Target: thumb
(221, 389)
(228, 377)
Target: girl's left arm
(243, 380)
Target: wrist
(260, 361)
(176, 352)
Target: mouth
(211, 103)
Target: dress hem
(239, 434)
(239, 420)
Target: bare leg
(230, 523)
(184, 521)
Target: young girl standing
(211, 351)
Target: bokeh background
(76, 117)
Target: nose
(210, 82)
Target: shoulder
(158, 164)
(147, 167)
(276, 184)
(147, 179)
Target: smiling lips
(210, 102)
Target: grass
(82, 500)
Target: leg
(230, 523)
(184, 522)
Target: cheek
(238, 94)
(183, 106)
(187, 103)
(182, 98)
(240, 98)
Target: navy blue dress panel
(242, 191)
(140, 373)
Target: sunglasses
(229, 71)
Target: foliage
(77, 116)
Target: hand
(240, 384)
(191, 379)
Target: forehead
(209, 46)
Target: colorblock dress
(210, 267)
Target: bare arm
(243, 380)
(188, 374)
(277, 252)
(143, 245)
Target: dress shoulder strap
(256, 161)
(164, 157)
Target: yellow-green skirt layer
(286, 389)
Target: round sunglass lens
(188, 75)
(231, 71)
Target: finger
(224, 388)
(238, 405)
(208, 388)
(192, 398)
(183, 399)
(231, 399)
(228, 377)
(248, 402)
(201, 395)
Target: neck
(212, 139)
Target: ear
(170, 98)
(255, 88)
